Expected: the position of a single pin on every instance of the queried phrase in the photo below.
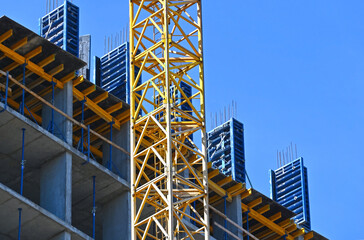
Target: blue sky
(296, 70)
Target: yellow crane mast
(169, 182)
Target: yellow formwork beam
(255, 202)
(266, 222)
(213, 173)
(6, 35)
(29, 65)
(94, 150)
(39, 81)
(96, 108)
(308, 236)
(225, 181)
(94, 118)
(258, 226)
(28, 56)
(19, 44)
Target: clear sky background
(296, 70)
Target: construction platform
(65, 163)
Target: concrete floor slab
(34, 218)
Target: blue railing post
(22, 162)
(19, 226)
(88, 143)
(6, 90)
(93, 206)
(109, 165)
(52, 110)
(82, 121)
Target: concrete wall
(56, 186)
(116, 218)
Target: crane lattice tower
(168, 169)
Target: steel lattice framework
(168, 169)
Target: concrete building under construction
(81, 163)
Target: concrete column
(234, 213)
(62, 236)
(116, 218)
(56, 186)
(63, 100)
(56, 174)
(121, 161)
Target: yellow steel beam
(6, 35)
(255, 202)
(29, 55)
(94, 118)
(237, 187)
(213, 173)
(47, 60)
(291, 228)
(30, 114)
(89, 90)
(32, 101)
(217, 189)
(264, 209)
(29, 65)
(258, 226)
(94, 150)
(78, 80)
(101, 97)
(39, 81)
(19, 44)
(225, 181)
(298, 233)
(96, 100)
(308, 236)
(95, 108)
(42, 64)
(286, 223)
(266, 222)
(222, 192)
(246, 193)
(68, 77)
